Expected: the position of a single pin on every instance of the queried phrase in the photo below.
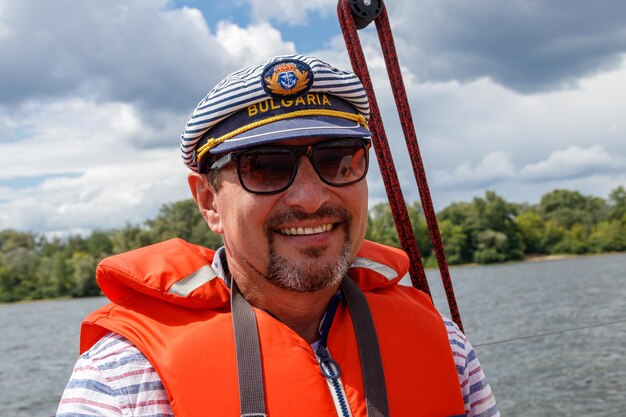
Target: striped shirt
(114, 378)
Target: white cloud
(96, 134)
(101, 198)
(102, 95)
(493, 168)
(255, 43)
(135, 52)
(77, 135)
(479, 135)
(112, 179)
(574, 162)
(289, 11)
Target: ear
(205, 198)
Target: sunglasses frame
(299, 151)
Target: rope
(396, 199)
(573, 329)
(383, 153)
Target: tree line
(486, 230)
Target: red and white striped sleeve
(477, 396)
(114, 379)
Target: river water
(551, 337)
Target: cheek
(243, 216)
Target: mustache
(326, 211)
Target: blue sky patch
(315, 34)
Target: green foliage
(382, 229)
(455, 242)
(617, 204)
(567, 208)
(609, 236)
(488, 229)
(531, 229)
(34, 267)
(491, 246)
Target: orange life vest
(166, 299)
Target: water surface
(549, 335)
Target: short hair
(213, 176)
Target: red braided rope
(398, 207)
(383, 153)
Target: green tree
(531, 228)
(609, 236)
(491, 246)
(553, 233)
(567, 208)
(575, 240)
(18, 274)
(129, 238)
(455, 242)
(492, 214)
(83, 267)
(617, 204)
(463, 223)
(182, 219)
(381, 227)
(420, 229)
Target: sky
(519, 97)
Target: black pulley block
(365, 11)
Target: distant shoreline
(527, 259)
(534, 258)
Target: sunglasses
(272, 169)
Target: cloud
(574, 162)
(591, 170)
(528, 46)
(93, 103)
(256, 42)
(101, 198)
(78, 135)
(94, 99)
(289, 11)
(137, 53)
(494, 167)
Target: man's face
(302, 239)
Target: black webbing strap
(369, 351)
(249, 366)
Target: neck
(302, 312)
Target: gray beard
(304, 277)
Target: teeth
(302, 231)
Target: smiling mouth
(304, 231)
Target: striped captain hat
(284, 97)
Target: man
(296, 314)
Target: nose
(307, 191)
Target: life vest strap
(249, 366)
(369, 352)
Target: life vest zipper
(331, 371)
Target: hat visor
(296, 128)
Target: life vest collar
(180, 273)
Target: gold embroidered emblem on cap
(213, 142)
(274, 86)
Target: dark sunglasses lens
(341, 162)
(266, 170)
